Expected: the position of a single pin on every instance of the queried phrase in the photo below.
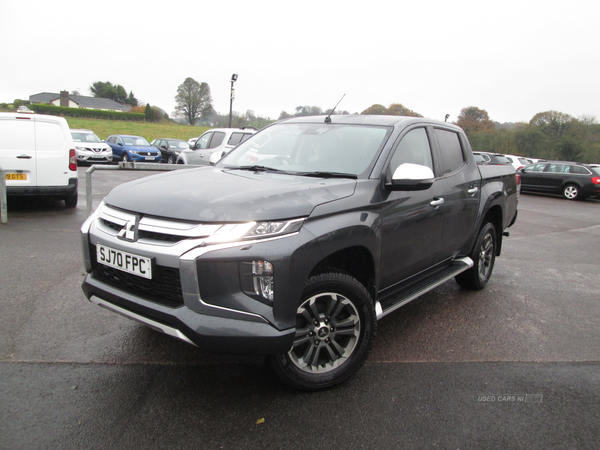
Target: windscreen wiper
(327, 175)
(257, 168)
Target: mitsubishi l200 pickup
(297, 242)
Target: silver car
(218, 141)
(90, 148)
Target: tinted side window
(535, 168)
(414, 148)
(556, 168)
(235, 139)
(450, 149)
(579, 170)
(245, 137)
(217, 139)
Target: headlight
(254, 230)
(81, 149)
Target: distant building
(78, 101)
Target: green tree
(193, 100)
(474, 120)
(149, 113)
(395, 109)
(376, 109)
(114, 92)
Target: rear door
(461, 183)
(17, 149)
(53, 142)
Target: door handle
(437, 202)
(24, 157)
(473, 191)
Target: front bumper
(199, 294)
(218, 334)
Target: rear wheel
(483, 256)
(335, 327)
(71, 201)
(571, 192)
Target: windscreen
(310, 148)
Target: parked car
(572, 180)
(492, 158)
(192, 141)
(518, 162)
(37, 154)
(170, 148)
(132, 148)
(218, 141)
(90, 148)
(300, 239)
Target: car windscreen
(310, 148)
(135, 140)
(85, 137)
(178, 144)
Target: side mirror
(411, 177)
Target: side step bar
(415, 289)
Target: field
(148, 130)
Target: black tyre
(170, 160)
(125, 158)
(335, 328)
(571, 192)
(483, 256)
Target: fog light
(263, 284)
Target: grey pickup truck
(298, 241)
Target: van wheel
(71, 201)
(483, 256)
(335, 328)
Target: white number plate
(127, 262)
(150, 158)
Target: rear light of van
(72, 160)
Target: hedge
(41, 108)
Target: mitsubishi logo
(129, 232)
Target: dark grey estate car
(572, 180)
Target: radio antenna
(328, 118)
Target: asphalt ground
(514, 366)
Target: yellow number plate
(15, 176)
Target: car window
(414, 148)
(203, 141)
(535, 168)
(112, 140)
(579, 170)
(450, 150)
(218, 138)
(555, 168)
(236, 138)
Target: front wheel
(335, 328)
(571, 192)
(483, 256)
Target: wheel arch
(356, 261)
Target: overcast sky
(513, 58)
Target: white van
(38, 157)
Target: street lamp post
(232, 96)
